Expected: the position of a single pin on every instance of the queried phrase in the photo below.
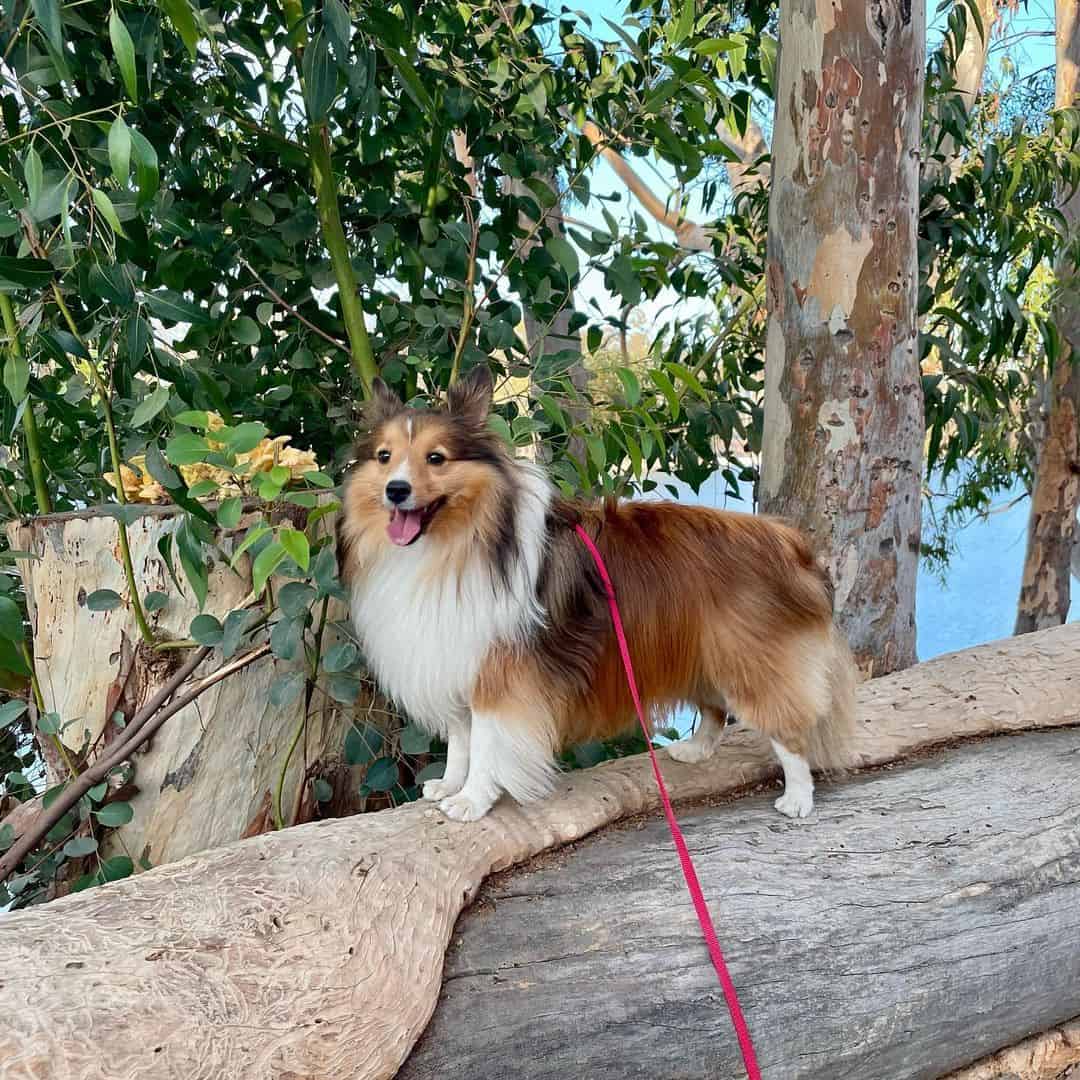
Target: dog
(481, 613)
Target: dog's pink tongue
(404, 526)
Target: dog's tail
(832, 739)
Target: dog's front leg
(509, 751)
(457, 759)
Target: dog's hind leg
(706, 739)
(798, 798)
(511, 751)
(457, 759)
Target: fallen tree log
(931, 914)
(318, 951)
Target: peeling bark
(842, 449)
(1045, 592)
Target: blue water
(976, 601)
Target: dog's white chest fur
(425, 633)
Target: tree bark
(318, 951)
(842, 448)
(1045, 592)
(915, 926)
(205, 775)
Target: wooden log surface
(1050, 1055)
(928, 915)
(318, 951)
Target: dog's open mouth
(407, 526)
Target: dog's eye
(383, 457)
(435, 458)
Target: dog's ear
(470, 397)
(382, 405)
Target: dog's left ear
(470, 397)
(382, 405)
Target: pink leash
(692, 883)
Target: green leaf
(236, 623)
(158, 468)
(286, 636)
(362, 744)
(103, 600)
(344, 688)
(186, 449)
(411, 81)
(147, 173)
(320, 78)
(10, 711)
(294, 598)
(684, 27)
(120, 150)
(206, 630)
(338, 25)
(47, 13)
(631, 385)
(150, 406)
(26, 273)
(183, 20)
(341, 657)
(98, 792)
(155, 601)
(253, 535)
(166, 304)
(285, 689)
(562, 251)
(16, 377)
(321, 789)
(415, 740)
(192, 560)
(49, 723)
(34, 173)
(245, 437)
(124, 49)
(382, 774)
(228, 513)
(319, 480)
(107, 211)
(78, 846)
(115, 814)
(266, 562)
(115, 869)
(194, 418)
(245, 330)
(296, 544)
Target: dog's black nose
(397, 491)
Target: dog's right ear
(382, 405)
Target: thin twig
(291, 310)
(142, 727)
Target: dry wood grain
(318, 951)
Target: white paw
(462, 807)
(690, 752)
(795, 804)
(439, 789)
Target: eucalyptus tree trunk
(1052, 525)
(842, 448)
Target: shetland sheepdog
(481, 613)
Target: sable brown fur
(721, 610)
